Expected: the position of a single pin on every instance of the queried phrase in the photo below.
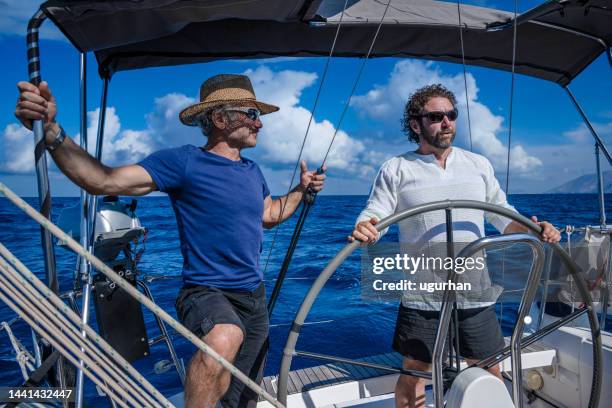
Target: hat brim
(189, 115)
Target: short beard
(436, 139)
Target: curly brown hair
(417, 101)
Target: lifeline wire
(314, 107)
(511, 98)
(467, 100)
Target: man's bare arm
(274, 213)
(277, 211)
(38, 103)
(96, 178)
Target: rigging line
(348, 102)
(314, 107)
(511, 97)
(467, 100)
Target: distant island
(584, 184)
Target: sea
(341, 322)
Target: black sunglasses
(438, 116)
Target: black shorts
(200, 308)
(415, 333)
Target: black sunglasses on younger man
(438, 116)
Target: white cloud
(18, 147)
(164, 126)
(120, 147)
(283, 132)
(386, 103)
(560, 164)
(582, 134)
(279, 141)
(16, 14)
(162, 130)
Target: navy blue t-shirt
(219, 206)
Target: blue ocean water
(340, 323)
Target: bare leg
(207, 380)
(410, 391)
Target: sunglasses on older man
(438, 116)
(251, 113)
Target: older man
(437, 171)
(221, 202)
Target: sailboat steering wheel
(289, 349)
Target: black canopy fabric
(555, 41)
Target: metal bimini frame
(599, 145)
(289, 351)
(42, 177)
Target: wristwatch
(58, 140)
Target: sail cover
(555, 41)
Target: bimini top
(555, 41)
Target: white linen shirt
(412, 179)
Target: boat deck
(306, 379)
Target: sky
(550, 144)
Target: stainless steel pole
(600, 190)
(84, 266)
(93, 202)
(42, 175)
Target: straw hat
(235, 90)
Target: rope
(467, 100)
(289, 254)
(49, 324)
(61, 344)
(122, 283)
(297, 163)
(47, 308)
(511, 97)
(23, 357)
